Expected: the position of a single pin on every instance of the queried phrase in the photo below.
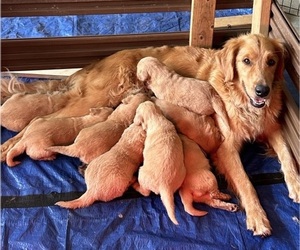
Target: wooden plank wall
(280, 29)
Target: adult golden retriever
(247, 73)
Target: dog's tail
(65, 150)
(220, 110)
(14, 152)
(12, 85)
(85, 200)
(167, 198)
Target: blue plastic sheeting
(135, 223)
(112, 24)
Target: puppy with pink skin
(109, 175)
(200, 128)
(43, 133)
(193, 94)
(99, 138)
(19, 110)
(200, 184)
(163, 169)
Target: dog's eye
(247, 61)
(271, 62)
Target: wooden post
(202, 22)
(261, 17)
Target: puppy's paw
(259, 224)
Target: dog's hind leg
(187, 201)
(10, 143)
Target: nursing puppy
(20, 109)
(43, 133)
(190, 93)
(200, 184)
(109, 175)
(163, 169)
(99, 138)
(200, 128)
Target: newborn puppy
(190, 93)
(163, 170)
(200, 128)
(43, 133)
(200, 184)
(109, 175)
(18, 111)
(99, 138)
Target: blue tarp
(138, 222)
(114, 24)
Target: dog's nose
(262, 90)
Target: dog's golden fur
(235, 71)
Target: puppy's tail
(14, 152)
(83, 201)
(65, 150)
(220, 110)
(167, 198)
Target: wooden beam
(19, 8)
(232, 21)
(202, 22)
(261, 16)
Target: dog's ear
(282, 56)
(226, 58)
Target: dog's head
(256, 63)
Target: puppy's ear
(226, 58)
(139, 120)
(95, 111)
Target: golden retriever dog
(200, 128)
(43, 133)
(20, 109)
(247, 73)
(163, 168)
(99, 138)
(193, 94)
(200, 184)
(109, 175)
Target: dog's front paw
(294, 190)
(259, 224)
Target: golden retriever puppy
(163, 168)
(190, 93)
(109, 175)
(21, 108)
(43, 133)
(200, 184)
(200, 128)
(248, 75)
(99, 138)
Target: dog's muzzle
(261, 93)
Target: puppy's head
(142, 68)
(254, 62)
